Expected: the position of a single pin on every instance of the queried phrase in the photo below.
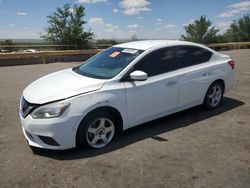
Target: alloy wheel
(100, 132)
(215, 95)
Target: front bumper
(55, 133)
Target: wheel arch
(114, 111)
(221, 81)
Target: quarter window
(157, 62)
(191, 55)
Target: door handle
(171, 83)
(206, 74)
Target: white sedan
(121, 87)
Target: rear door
(158, 94)
(196, 74)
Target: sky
(120, 19)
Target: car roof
(148, 44)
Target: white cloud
(115, 10)
(171, 26)
(157, 29)
(99, 26)
(134, 7)
(133, 26)
(21, 14)
(241, 5)
(226, 14)
(235, 9)
(159, 20)
(111, 28)
(189, 22)
(95, 21)
(223, 26)
(92, 1)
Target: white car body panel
(60, 85)
(136, 101)
(151, 98)
(194, 82)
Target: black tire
(208, 104)
(91, 119)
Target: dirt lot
(194, 148)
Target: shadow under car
(147, 130)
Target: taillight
(231, 63)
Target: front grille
(26, 107)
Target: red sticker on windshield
(114, 54)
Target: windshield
(108, 63)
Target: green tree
(201, 31)
(65, 27)
(239, 30)
(222, 38)
(8, 43)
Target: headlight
(50, 110)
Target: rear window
(192, 55)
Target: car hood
(60, 85)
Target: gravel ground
(193, 148)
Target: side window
(157, 62)
(191, 55)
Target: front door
(156, 96)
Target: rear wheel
(213, 96)
(97, 130)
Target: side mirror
(138, 76)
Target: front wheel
(97, 130)
(213, 96)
